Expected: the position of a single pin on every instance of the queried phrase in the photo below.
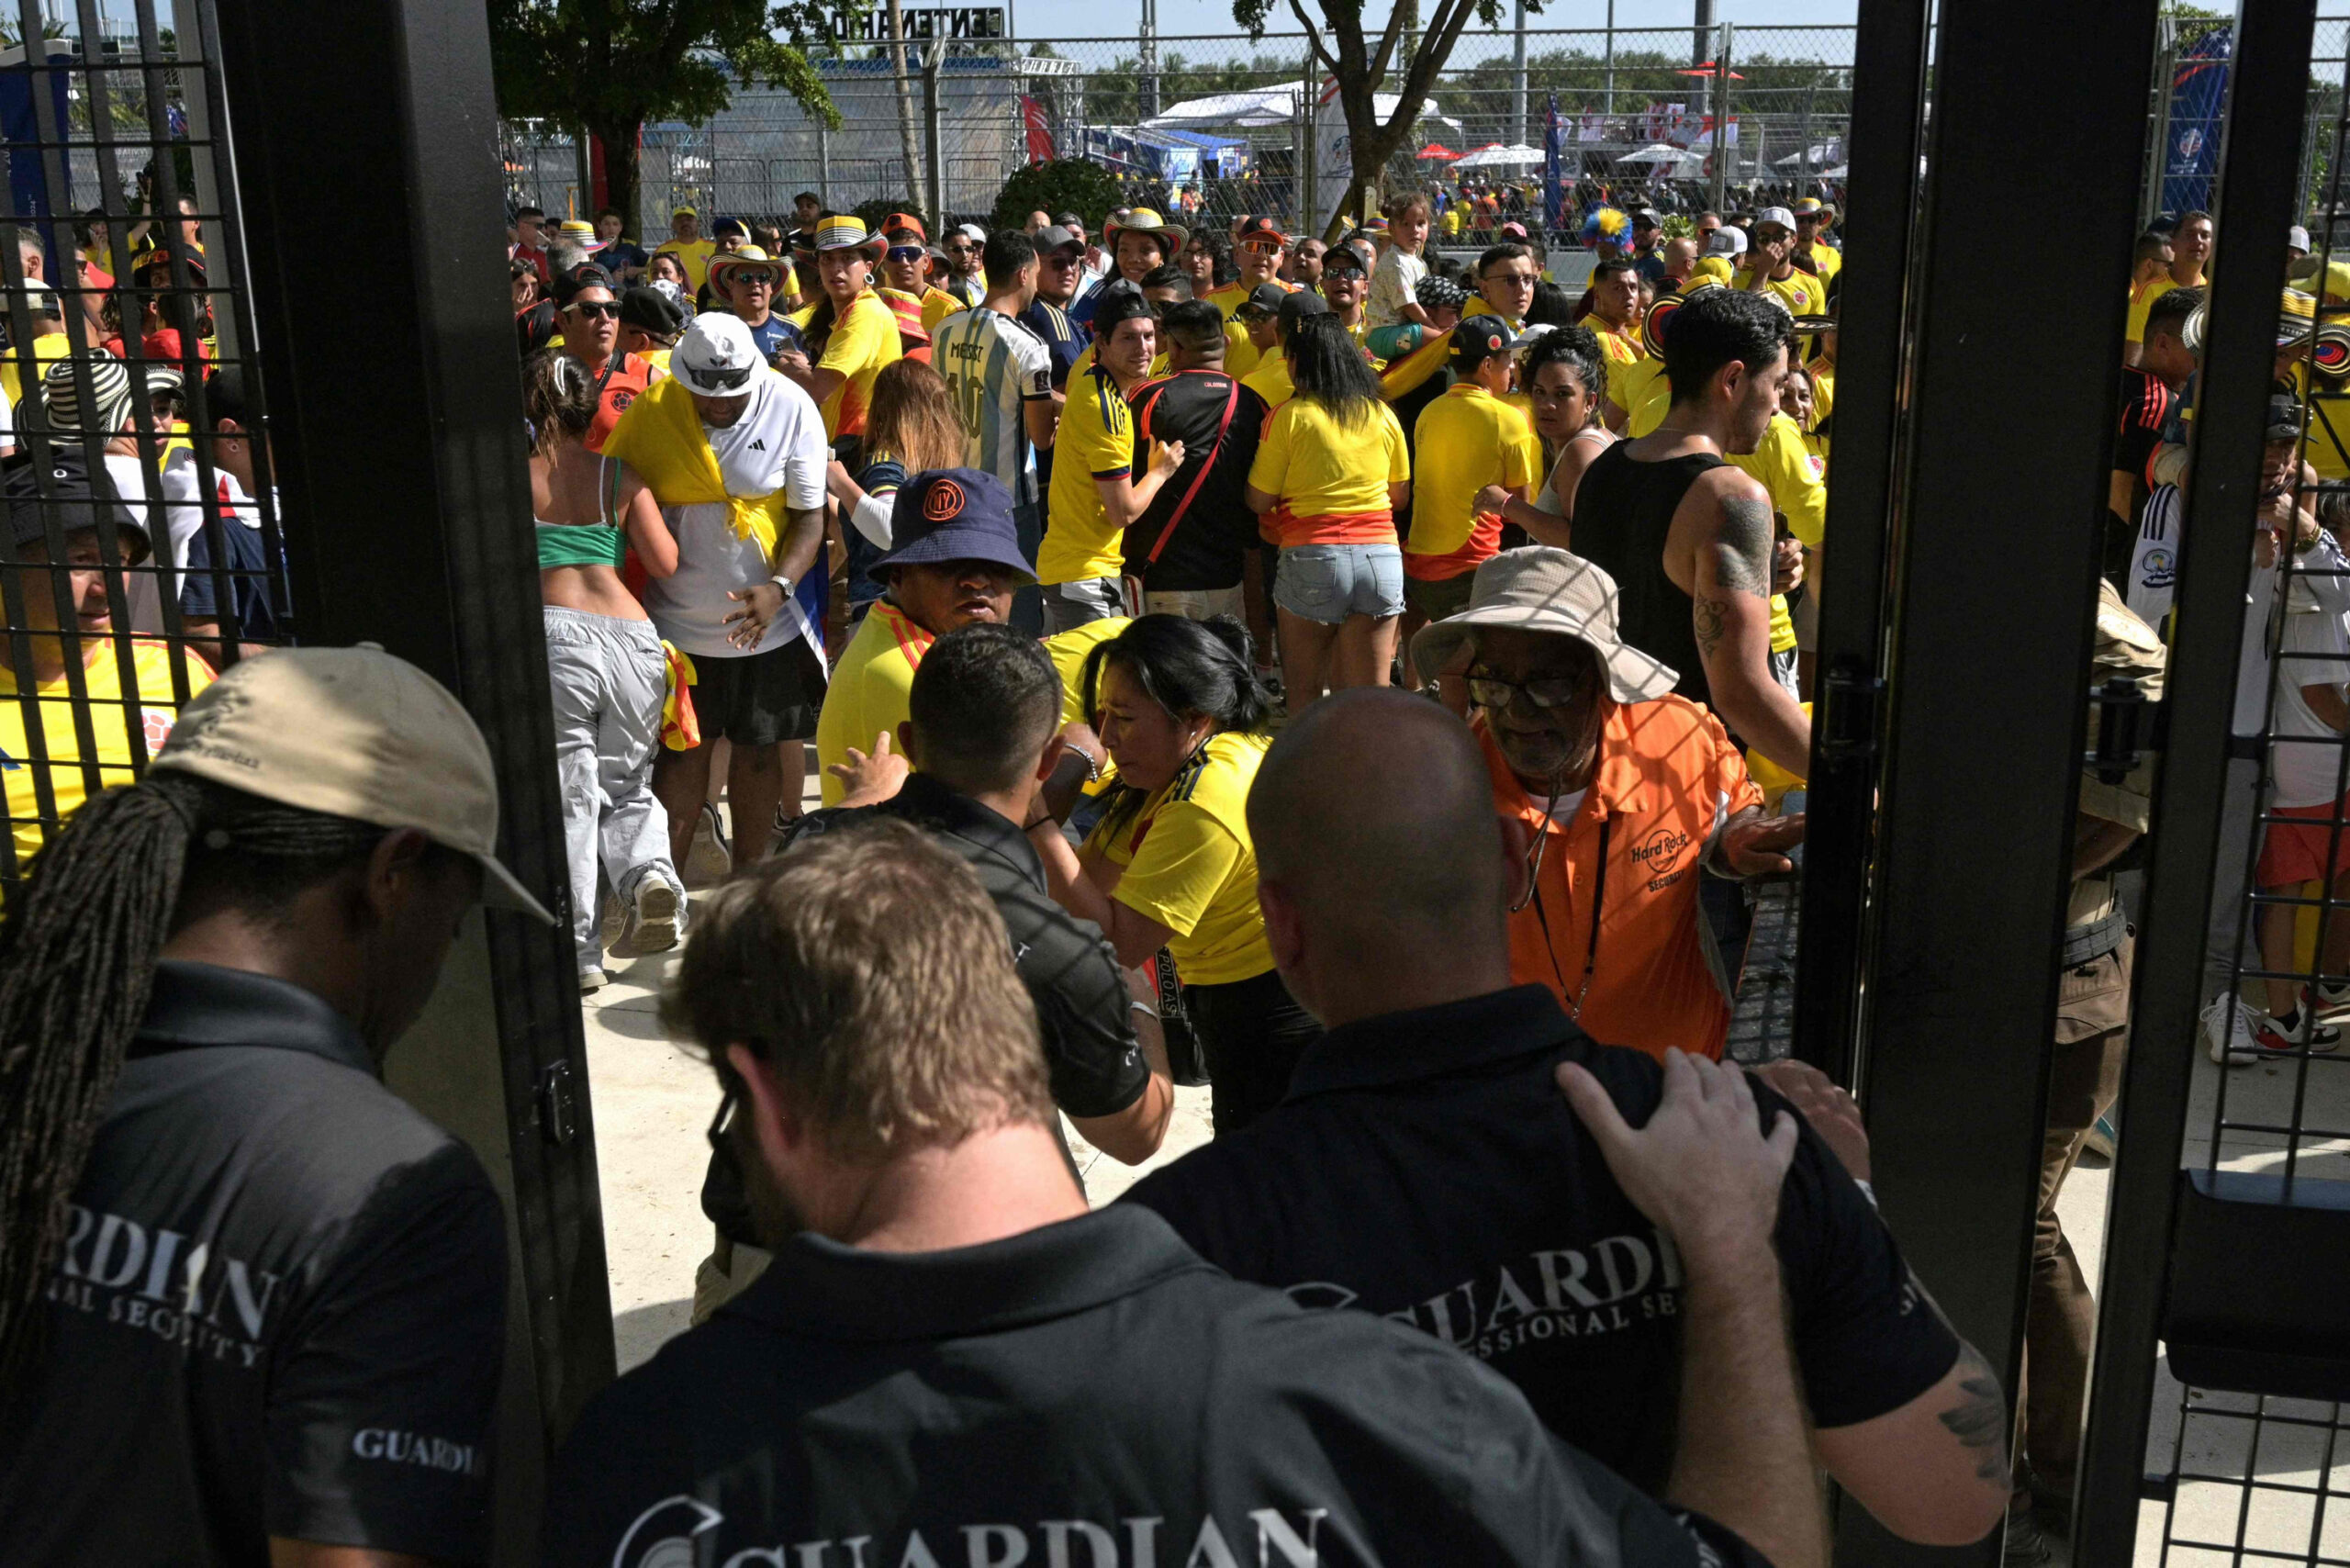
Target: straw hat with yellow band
(661, 436)
(843, 231)
(750, 258)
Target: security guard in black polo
(985, 707)
(251, 1302)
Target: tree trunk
(906, 114)
(621, 180)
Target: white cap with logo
(717, 357)
(352, 733)
(1778, 214)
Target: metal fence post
(823, 163)
(1309, 209)
(1721, 101)
(934, 149)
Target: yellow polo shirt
(1464, 440)
(1799, 291)
(693, 255)
(111, 729)
(2142, 300)
(1270, 379)
(1070, 651)
(1096, 442)
(937, 304)
(1331, 480)
(1190, 864)
(870, 692)
(862, 344)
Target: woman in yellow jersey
(851, 334)
(1170, 866)
(1331, 472)
(606, 663)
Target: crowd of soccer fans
(1365, 681)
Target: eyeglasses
(1262, 246)
(907, 253)
(959, 250)
(1555, 691)
(726, 380)
(603, 309)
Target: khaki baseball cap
(352, 733)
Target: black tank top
(1623, 512)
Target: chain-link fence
(1228, 125)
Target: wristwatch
(782, 582)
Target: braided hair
(78, 946)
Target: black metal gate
(1974, 446)
(373, 377)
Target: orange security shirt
(1667, 778)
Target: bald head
(1374, 819)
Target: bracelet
(1092, 764)
(1145, 1008)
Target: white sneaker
(2228, 1030)
(653, 917)
(592, 978)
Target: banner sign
(946, 22)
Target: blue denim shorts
(1327, 583)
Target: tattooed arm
(1729, 592)
(1935, 1471)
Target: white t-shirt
(777, 444)
(2304, 773)
(994, 367)
(1392, 285)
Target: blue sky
(1090, 18)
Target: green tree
(1361, 65)
(606, 67)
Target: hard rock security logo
(670, 1534)
(1660, 855)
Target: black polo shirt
(1085, 1015)
(1426, 1167)
(1087, 1392)
(280, 1310)
(1215, 531)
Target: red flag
(1040, 130)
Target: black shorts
(759, 699)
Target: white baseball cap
(1727, 242)
(2297, 238)
(717, 357)
(1778, 214)
(352, 733)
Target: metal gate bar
(1888, 123)
(1994, 608)
(2258, 180)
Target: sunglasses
(959, 250)
(602, 310)
(907, 253)
(725, 380)
(1262, 246)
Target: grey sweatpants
(608, 682)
